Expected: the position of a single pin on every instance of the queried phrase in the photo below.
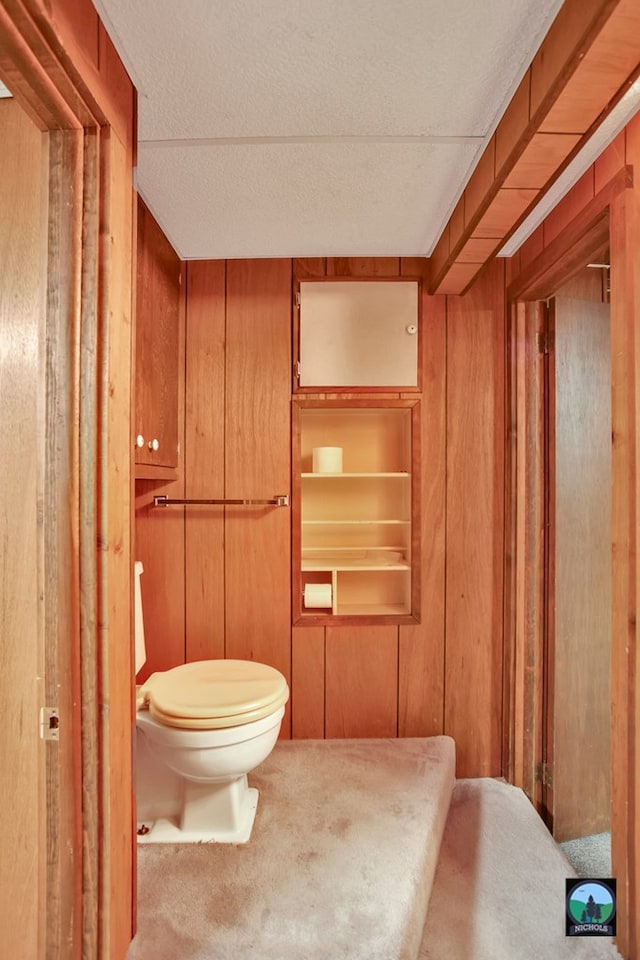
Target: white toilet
(201, 728)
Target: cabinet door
(356, 511)
(157, 345)
(358, 334)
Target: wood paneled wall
(232, 569)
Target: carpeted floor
(342, 860)
(590, 856)
(499, 889)
(340, 863)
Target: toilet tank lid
(214, 689)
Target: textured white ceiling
(302, 128)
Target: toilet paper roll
(317, 595)
(327, 459)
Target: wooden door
(22, 752)
(579, 569)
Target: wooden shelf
(381, 558)
(372, 610)
(342, 523)
(348, 476)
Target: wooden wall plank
(625, 729)
(258, 461)
(415, 267)
(474, 526)
(563, 47)
(23, 892)
(363, 266)
(421, 650)
(609, 162)
(68, 865)
(362, 681)
(503, 211)
(307, 682)
(479, 186)
(512, 126)
(569, 206)
(540, 159)
(531, 248)
(160, 547)
(458, 277)
(115, 559)
(204, 458)
(609, 60)
(309, 268)
(82, 22)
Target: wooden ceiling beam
(585, 64)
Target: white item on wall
(327, 459)
(318, 595)
(140, 648)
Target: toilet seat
(211, 694)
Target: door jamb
(78, 560)
(608, 219)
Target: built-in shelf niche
(357, 530)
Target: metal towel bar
(280, 500)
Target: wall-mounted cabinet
(158, 351)
(357, 334)
(356, 511)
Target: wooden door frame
(611, 218)
(84, 504)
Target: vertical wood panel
(475, 517)
(630, 278)
(625, 723)
(307, 682)
(362, 681)
(115, 591)
(65, 781)
(22, 754)
(581, 604)
(160, 547)
(258, 461)
(526, 541)
(421, 665)
(204, 459)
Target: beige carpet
(498, 892)
(590, 856)
(340, 863)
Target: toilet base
(211, 813)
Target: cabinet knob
(153, 444)
(139, 440)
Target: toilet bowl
(209, 723)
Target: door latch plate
(49, 723)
